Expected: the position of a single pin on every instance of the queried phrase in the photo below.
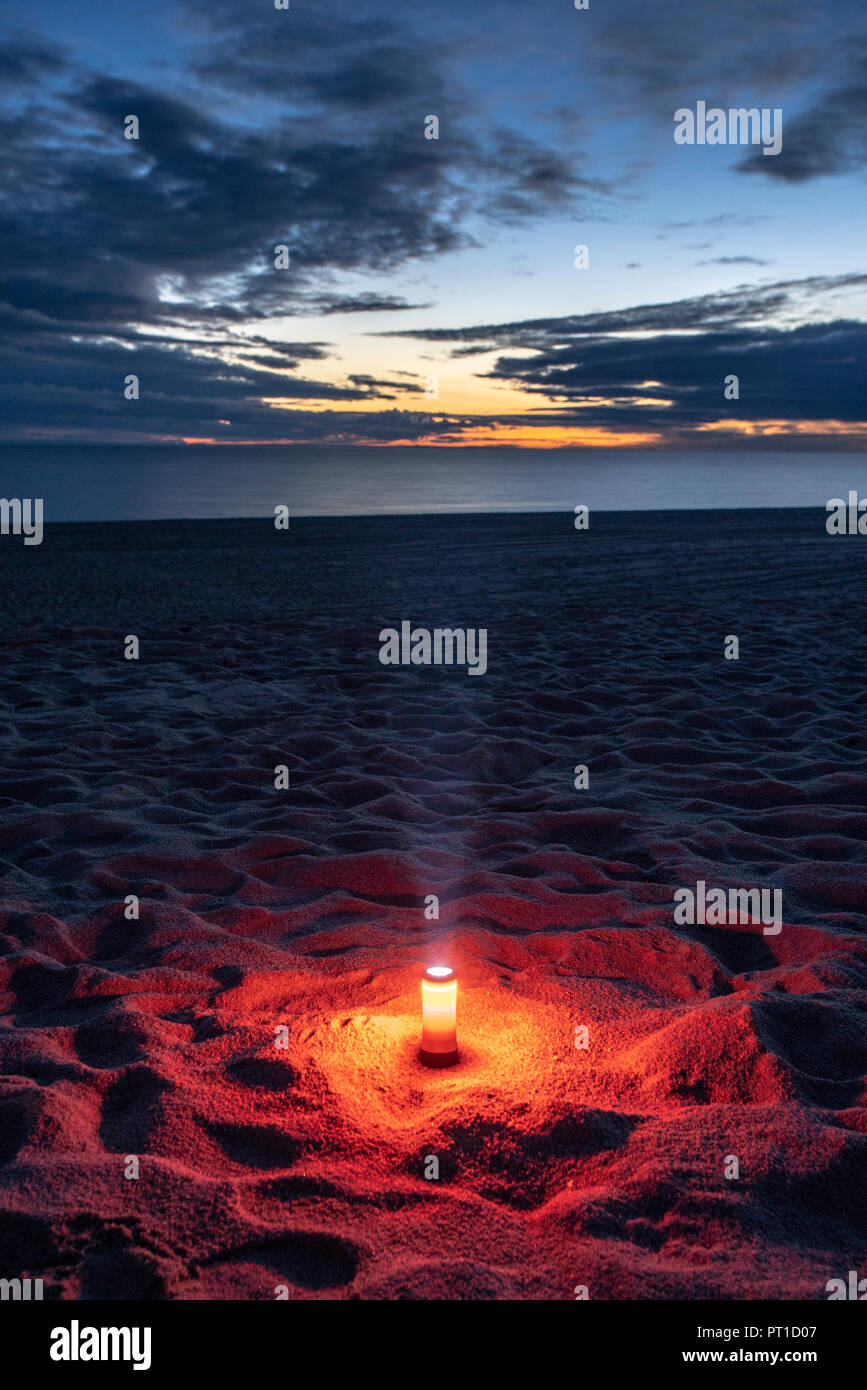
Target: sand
(298, 915)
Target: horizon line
(369, 516)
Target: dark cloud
(654, 60)
(662, 366)
(734, 260)
(81, 395)
(363, 304)
(814, 372)
(668, 55)
(25, 59)
(385, 388)
(343, 59)
(313, 352)
(181, 393)
(719, 221)
(830, 137)
(546, 177)
(171, 238)
(745, 304)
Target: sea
(157, 482)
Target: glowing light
(439, 999)
(854, 428)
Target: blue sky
(432, 295)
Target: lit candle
(439, 998)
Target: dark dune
(304, 1167)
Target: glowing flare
(439, 998)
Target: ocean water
(144, 482)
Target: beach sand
(302, 1167)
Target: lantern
(439, 998)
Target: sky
(431, 294)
